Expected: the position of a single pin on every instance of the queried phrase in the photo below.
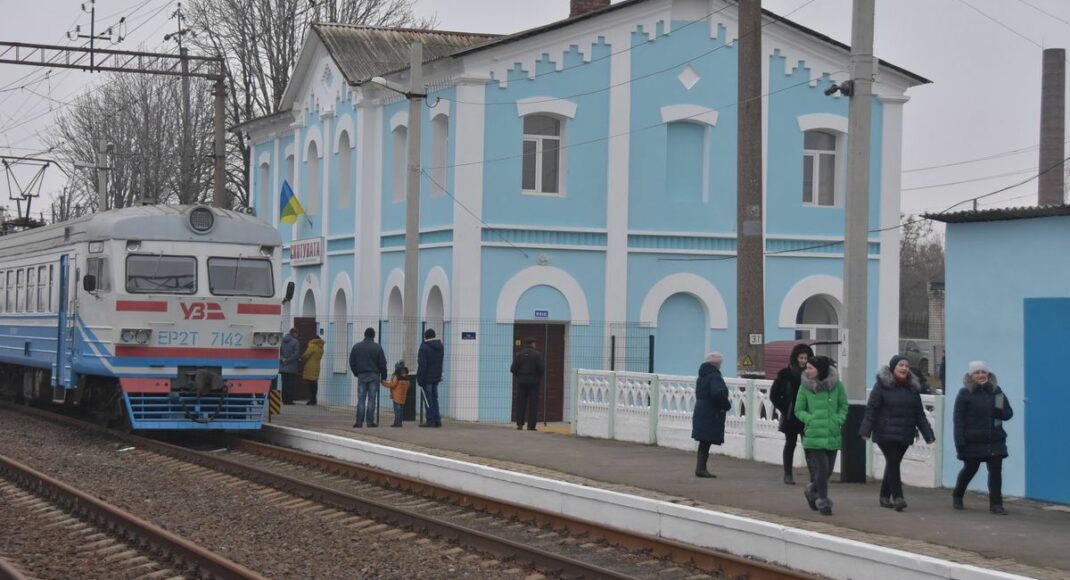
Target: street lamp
(415, 95)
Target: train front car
(180, 308)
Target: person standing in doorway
(289, 365)
(822, 407)
(980, 410)
(711, 410)
(893, 414)
(429, 375)
(783, 393)
(368, 363)
(527, 369)
(312, 357)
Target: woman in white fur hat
(980, 410)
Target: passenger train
(150, 317)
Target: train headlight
(266, 338)
(201, 219)
(143, 336)
(135, 335)
(258, 339)
(128, 335)
(274, 338)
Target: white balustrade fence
(617, 405)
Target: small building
(1008, 304)
(579, 186)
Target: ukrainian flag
(289, 207)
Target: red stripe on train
(140, 306)
(234, 386)
(187, 352)
(259, 309)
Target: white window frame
(562, 110)
(816, 176)
(440, 145)
(540, 140)
(835, 125)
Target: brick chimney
(578, 7)
(1052, 127)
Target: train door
(550, 340)
(306, 331)
(65, 323)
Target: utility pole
(93, 36)
(185, 167)
(102, 168)
(412, 203)
(854, 353)
(750, 250)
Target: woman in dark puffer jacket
(980, 410)
(782, 394)
(893, 413)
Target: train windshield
(147, 274)
(240, 277)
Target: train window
(240, 277)
(31, 290)
(20, 293)
(98, 267)
(51, 275)
(147, 274)
(9, 293)
(42, 287)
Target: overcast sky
(984, 57)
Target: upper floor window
(542, 154)
(398, 163)
(312, 196)
(440, 138)
(819, 168)
(685, 161)
(264, 207)
(345, 170)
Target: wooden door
(306, 331)
(550, 341)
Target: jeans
(527, 404)
(892, 484)
(367, 392)
(431, 397)
(995, 478)
(398, 410)
(820, 462)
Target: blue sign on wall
(468, 336)
(542, 314)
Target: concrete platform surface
(1034, 540)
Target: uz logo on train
(202, 311)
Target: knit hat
(977, 365)
(400, 367)
(822, 364)
(895, 360)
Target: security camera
(832, 89)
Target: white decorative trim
(546, 105)
(345, 284)
(441, 107)
(312, 135)
(399, 119)
(265, 157)
(288, 151)
(309, 283)
(827, 121)
(689, 113)
(437, 277)
(396, 279)
(344, 123)
(687, 283)
(550, 276)
(807, 288)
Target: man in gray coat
(368, 363)
(289, 365)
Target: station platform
(1032, 541)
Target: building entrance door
(550, 341)
(1047, 332)
(306, 331)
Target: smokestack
(578, 7)
(1052, 127)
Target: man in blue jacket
(289, 365)
(368, 363)
(429, 375)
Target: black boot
(700, 465)
(956, 502)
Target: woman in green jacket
(822, 407)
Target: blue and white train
(152, 317)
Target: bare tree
(260, 41)
(921, 261)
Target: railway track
(511, 533)
(94, 538)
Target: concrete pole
(220, 197)
(102, 175)
(410, 310)
(1052, 127)
(750, 259)
(185, 180)
(853, 352)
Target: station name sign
(306, 252)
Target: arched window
(345, 170)
(263, 206)
(290, 170)
(400, 155)
(312, 193)
(543, 136)
(685, 161)
(440, 137)
(341, 333)
(819, 168)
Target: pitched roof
(363, 52)
(1000, 214)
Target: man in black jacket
(368, 363)
(527, 369)
(429, 375)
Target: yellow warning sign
(274, 402)
(747, 362)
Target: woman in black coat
(893, 415)
(980, 410)
(782, 394)
(711, 407)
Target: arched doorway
(394, 330)
(680, 341)
(817, 320)
(434, 310)
(307, 329)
